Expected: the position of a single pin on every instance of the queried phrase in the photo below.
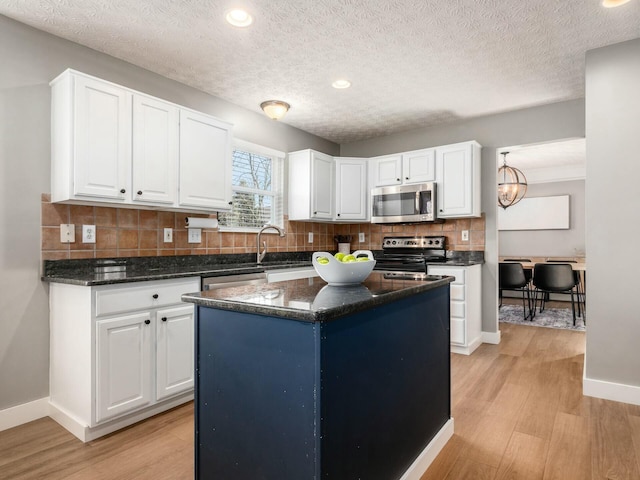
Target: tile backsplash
(128, 232)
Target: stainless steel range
(402, 255)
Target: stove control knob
(430, 242)
(393, 243)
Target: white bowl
(343, 273)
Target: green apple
(339, 256)
(362, 259)
(323, 260)
(349, 258)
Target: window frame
(277, 183)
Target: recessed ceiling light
(342, 83)
(613, 3)
(239, 18)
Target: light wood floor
(518, 409)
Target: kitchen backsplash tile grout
(126, 232)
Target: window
(257, 188)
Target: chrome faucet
(259, 255)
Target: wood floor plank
(612, 450)
(515, 341)
(491, 439)
(467, 469)
(524, 458)
(510, 400)
(489, 385)
(569, 455)
(634, 423)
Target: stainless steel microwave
(404, 203)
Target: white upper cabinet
(404, 168)
(351, 189)
(205, 161)
(419, 166)
(155, 150)
(91, 142)
(458, 179)
(387, 170)
(112, 145)
(311, 186)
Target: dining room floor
(518, 409)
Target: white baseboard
(429, 454)
(617, 392)
(491, 337)
(85, 433)
(468, 350)
(25, 413)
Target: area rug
(550, 318)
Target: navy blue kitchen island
(300, 380)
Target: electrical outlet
(67, 233)
(88, 234)
(168, 235)
(195, 235)
(465, 235)
(361, 237)
(310, 237)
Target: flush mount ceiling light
(613, 3)
(341, 83)
(238, 17)
(275, 109)
(512, 184)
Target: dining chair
(553, 278)
(512, 277)
(580, 290)
(528, 272)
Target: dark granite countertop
(139, 269)
(311, 299)
(91, 272)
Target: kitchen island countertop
(312, 299)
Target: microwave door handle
(418, 203)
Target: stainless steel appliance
(212, 283)
(405, 257)
(404, 203)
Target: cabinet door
(205, 162)
(419, 166)
(102, 139)
(454, 167)
(322, 186)
(123, 364)
(351, 189)
(174, 351)
(155, 151)
(387, 170)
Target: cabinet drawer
(458, 273)
(138, 296)
(457, 309)
(457, 331)
(457, 292)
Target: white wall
(522, 127)
(549, 243)
(613, 219)
(30, 59)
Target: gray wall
(522, 127)
(549, 243)
(612, 202)
(30, 59)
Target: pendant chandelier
(512, 184)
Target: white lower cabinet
(466, 305)
(119, 353)
(123, 365)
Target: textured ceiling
(412, 63)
